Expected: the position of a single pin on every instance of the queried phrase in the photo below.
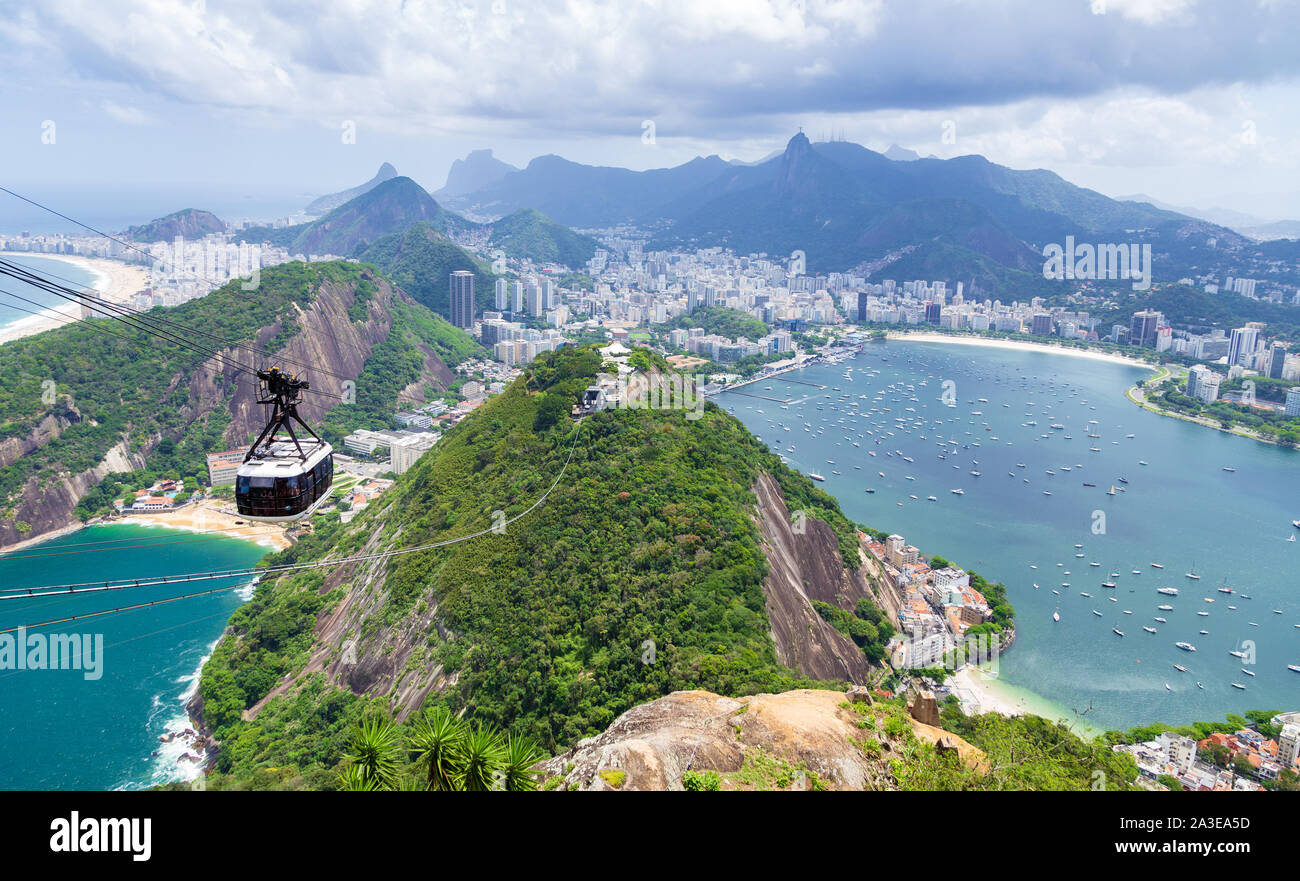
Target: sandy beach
(211, 515)
(977, 697)
(115, 281)
(1022, 345)
(980, 692)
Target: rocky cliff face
(798, 740)
(382, 660)
(327, 338)
(805, 565)
(47, 505)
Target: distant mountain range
(326, 204)
(889, 214)
(1246, 224)
(885, 215)
(581, 196)
(398, 204)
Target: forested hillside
(421, 260)
(641, 574)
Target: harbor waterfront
(122, 723)
(1066, 487)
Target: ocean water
(61, 730)
(12, 309)
(1181, 510)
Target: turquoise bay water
(1181, 510)
(59, 730)
(11, 310)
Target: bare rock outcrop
(762, 741)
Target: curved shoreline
(1138, 397)
(115, 281)
(1020, 345)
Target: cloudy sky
(1191, 101)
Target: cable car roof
(282, 459)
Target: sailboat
(1111, 491)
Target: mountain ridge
(327, 203)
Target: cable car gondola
(282, 480)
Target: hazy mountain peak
(327, 203)
(478, 169)
(901, 154)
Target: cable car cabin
(277, 485)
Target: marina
(1030, 520)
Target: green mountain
(531, 234)
(421, 260)
(390, 207)
(191, 223)
(130, 406)
(327, 203)
(646, 569)
(395, 205)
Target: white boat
(1056, 616)
(1186, 646)
(1168, 591)
(815, 476)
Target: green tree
(438, 742)
(376, 747)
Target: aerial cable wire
(213, 285)
(20, 593)
(146, 315)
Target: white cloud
(127, 115)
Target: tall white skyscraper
(502, 301)
(1242, 345)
